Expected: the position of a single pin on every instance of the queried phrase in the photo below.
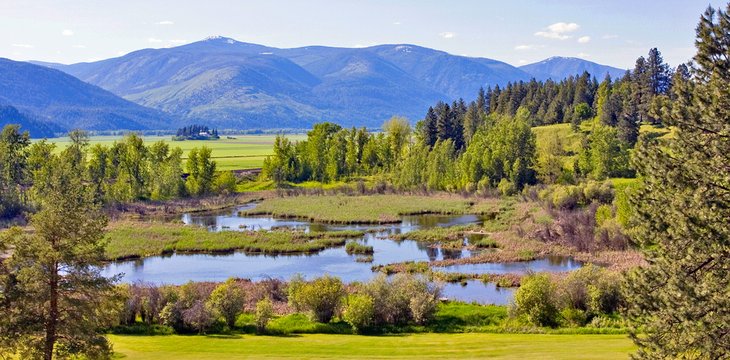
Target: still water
(180, 268)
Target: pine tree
(680, 303)
(53, 296)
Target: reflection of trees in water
(450, 254)
(432, 253)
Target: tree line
(487, 143)
(125, 171)
(195, 132)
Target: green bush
(360, 311)
(591, 289)
(225, 182)
(600, 192)
(321, 297)
(536, 299)
(228, 300)
(566, 197)
(394, 299)
(506, 187)
(264, 313)
(603, 213)
(574, 317)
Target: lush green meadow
(417, 346)
(241, 152)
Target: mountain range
(41, 95)
(228, 84)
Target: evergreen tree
(13, 158)
(679, 302)
(53, 296)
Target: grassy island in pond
(372, 209)
(140, 239)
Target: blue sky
(612, 32)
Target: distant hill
(231, 84)
(60, 101)
(558, 68)
(235, 85)
(36, 128)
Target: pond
(180, 268)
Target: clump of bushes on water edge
(208, 307)
(588, 296)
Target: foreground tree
(51, 292)
(681, 302)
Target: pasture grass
(415, 346)
(372, 209)
(140, 239)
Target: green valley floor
(417, 346)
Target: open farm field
(241, 152)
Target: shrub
(360, 311)
(600, 192)
(574, 317)
(225, 182)
(402, 299)
(264, 313)
(610, 235)
(566, 197)
(603, 213)
(321, 297)
(198, 317)
(506, 187)
(536, 299)
(423, 307)
(591, 289)
(171, 315)
(228, 300)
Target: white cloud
(154, 40)
(79, 46)
(558, 31)
(522, 61)
(178, 41)
(67, 32)
(165, 22)
(25, 46)
(447, 34)
(582, 55)
(609, 36)
(584, 39)
(528, 47)
(396, 23)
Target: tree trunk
(52, 315)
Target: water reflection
(549, 264)
(479, 292)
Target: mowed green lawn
(418, 346)
(243, 152)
